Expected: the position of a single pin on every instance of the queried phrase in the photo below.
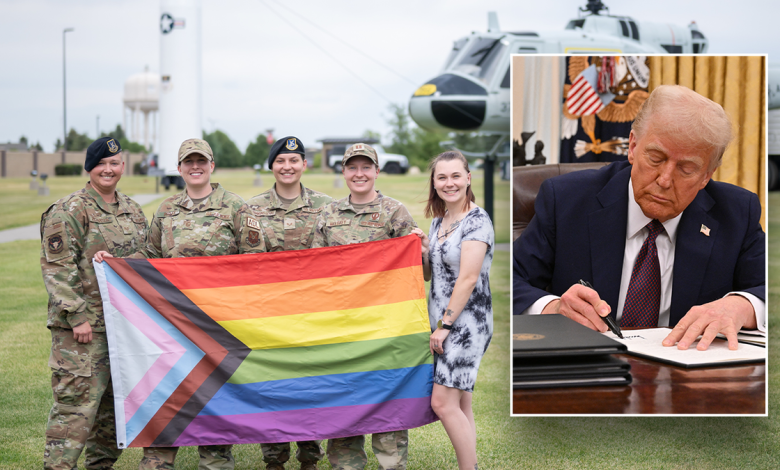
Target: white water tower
(142, 97)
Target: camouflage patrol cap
(191, 146)
(360, 150)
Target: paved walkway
(33, 231)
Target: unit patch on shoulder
(55, 244)
(250, 222)
(253, 238)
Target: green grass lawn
(25, 341)
(25, 378)
(503, 442)
(24, 207)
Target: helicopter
(471, 93)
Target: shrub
(68, 169)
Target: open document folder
(647, 343)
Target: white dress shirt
(665, 242)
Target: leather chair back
(526, 181)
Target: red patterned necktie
(643, 299)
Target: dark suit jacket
(579, 232)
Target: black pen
(613, 326)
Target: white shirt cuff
(759, 306)
(537, 307)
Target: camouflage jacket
(216, 226)
(73, 229)
(291, 229)
(383, 218)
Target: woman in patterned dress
(456, 258)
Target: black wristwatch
(446, 326)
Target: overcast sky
(260, 73)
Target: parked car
(391, 163)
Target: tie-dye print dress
(472, 331)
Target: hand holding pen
(582, 304)
(609, 321)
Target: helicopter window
(696, 34)
(695, 48)
(574, 24)
(634, 30)
(505, 81)
(480, 60)
(672, 49)
(624, 27)
(457, 46)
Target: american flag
(582, 99)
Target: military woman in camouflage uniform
(287, 214)
(202, 220)
(73, 229)
(365, 215)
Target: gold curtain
(738, 84)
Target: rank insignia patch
(292, 144)
(55, 244)
(375, 216)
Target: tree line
(406, 138)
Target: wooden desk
(656, 389)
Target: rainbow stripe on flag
(272, 347)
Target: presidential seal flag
(270, 347)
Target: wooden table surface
(656, 389)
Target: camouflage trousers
(83, 410)
(217, 457)
(390, 448)
(308, 451)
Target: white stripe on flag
(582, 99)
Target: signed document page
(647, 343)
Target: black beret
(289, 144)
(102, 148)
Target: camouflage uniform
(73, 229)
(382, 218)
(290, 229)
(219, 225)
(340, 224)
